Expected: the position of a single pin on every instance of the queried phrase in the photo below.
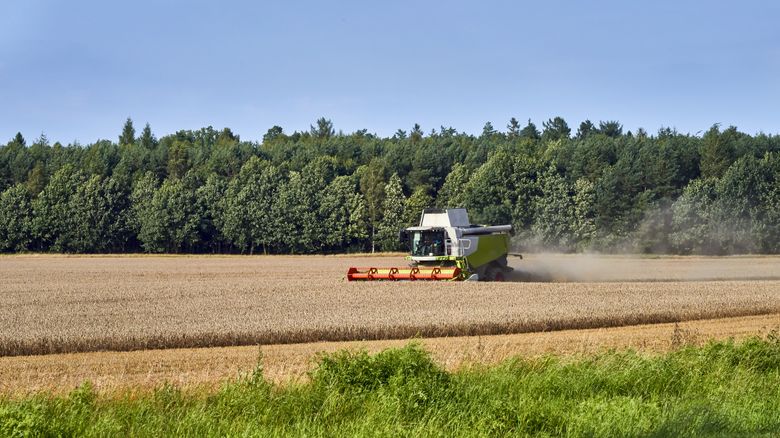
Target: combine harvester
(446, 246)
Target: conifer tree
(128, 133)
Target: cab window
(428, 243)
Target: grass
(53, 304)
(722, 388)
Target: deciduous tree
(392, 215)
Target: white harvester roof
(456, 218)
(451, 217)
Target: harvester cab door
(429, 243)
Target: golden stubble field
(120, 373)
(60, 304)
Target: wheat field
(61, 304)
(209, 368)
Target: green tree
(273, 133)
(99, 216)
(717, 152)
(692, 218)
(452, 193)
(36, 179)
(417, 201)
(652, 234)
(769, 202)
(178, 159)
(372, 186)
(626, 190)
(16, 162)
(555, 129)
(141, 201)
(147, 140)
(739, 221)
(589, 158)
(100, 158)
(429, 166)
(530, 131)
(227, 157)
(323, 130)
(210, 197)
(52, 211)
(513, 129)
(135, 160)
(416, 134)
(555, 212)
(19, 139)
(488, 130)
(248, 219)
(16, 217)
(290, 210)
(343, 214)
(128, 133)
(227, 136)
(523, 189)
(171, 221)
(584, 229)
(586, 128)
(358, 222)
(619, 191)
(316, 176)
(489, 194)
(611, 128)
(393, 215)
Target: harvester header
(447, 246)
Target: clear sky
(75, 70)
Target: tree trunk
(372, 238)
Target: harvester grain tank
(447, 246)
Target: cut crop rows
(57, 304)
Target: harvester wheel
(494, 273)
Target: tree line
(322, 191)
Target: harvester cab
(446, 246)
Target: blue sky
(75, 70)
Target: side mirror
(403, 236)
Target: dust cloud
(550, 267)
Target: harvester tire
(494, 273)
